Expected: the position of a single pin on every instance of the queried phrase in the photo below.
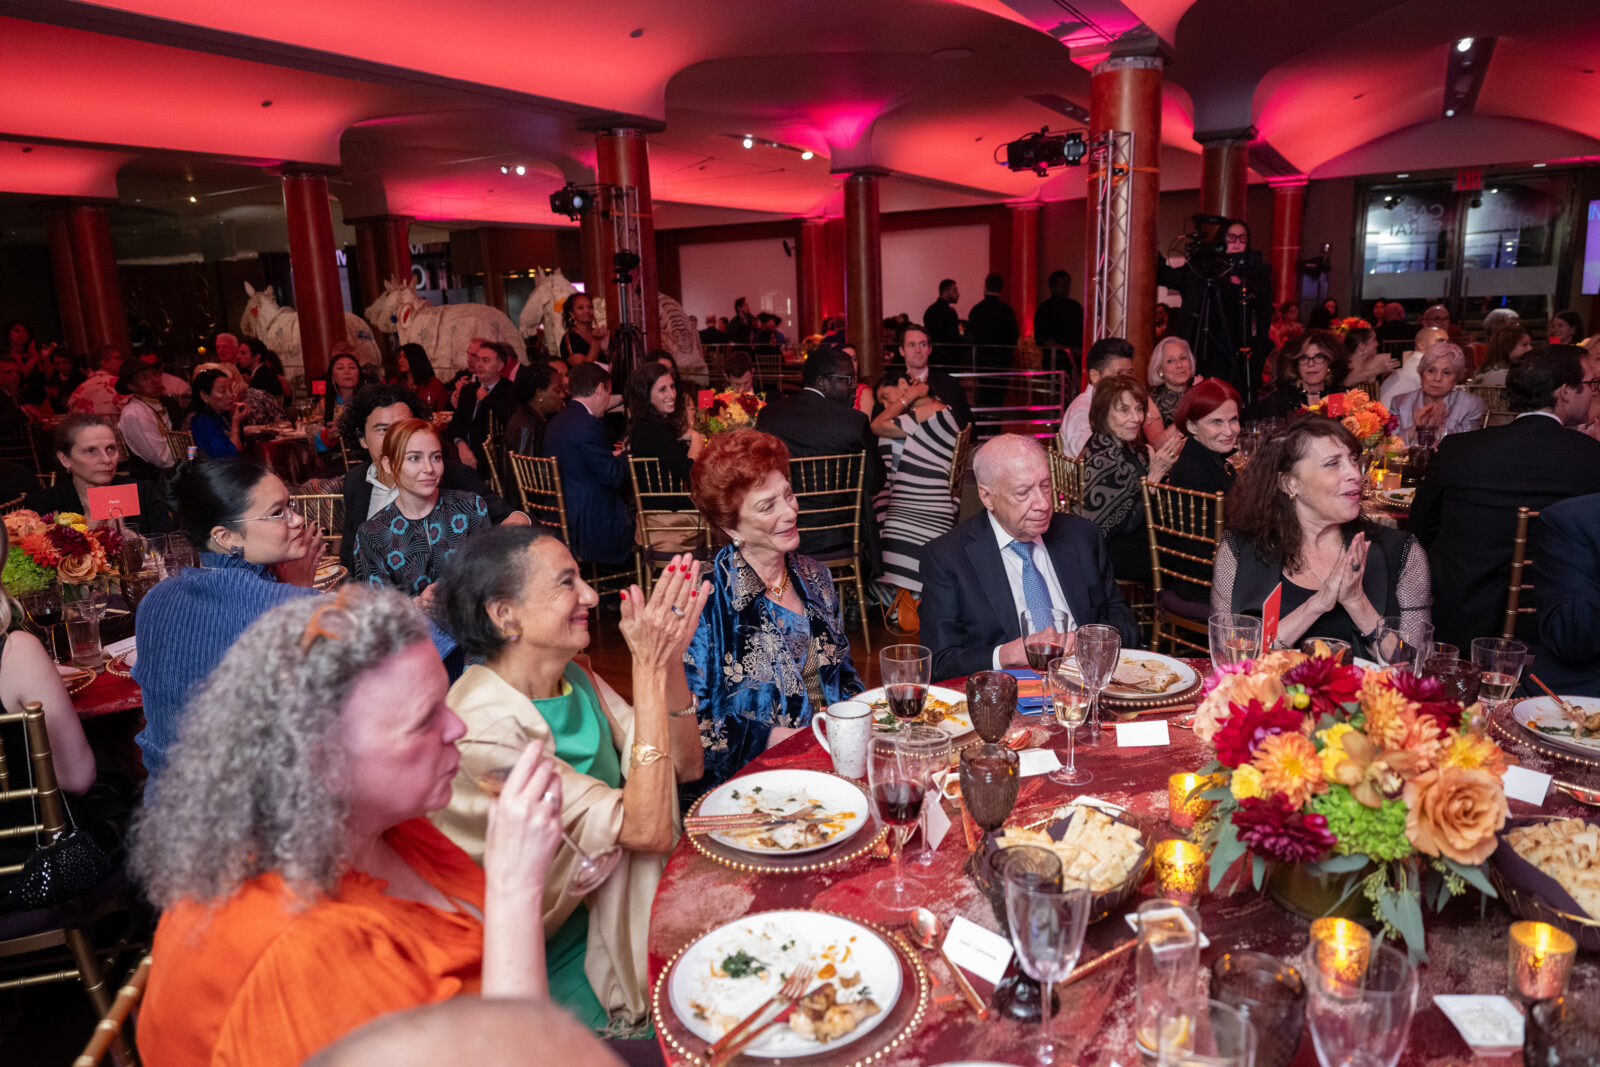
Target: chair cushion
(1173, 604)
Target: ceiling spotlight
(807, 154)
(1449, 112)
(521, 169)
(749, 142)
(1540, 165)
(1407, 174)
(504, 169)
(194, 200)
(1464, 45)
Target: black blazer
(812, 425)
(1566, 590)
(153, 517)
(470, 423)
(358, 498)
(1200, 469)
(264, 379)
(967, 607)
(1465, 514)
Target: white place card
(117, 648)
(1142, 734)
(1037, 761)
(938, 823)
(972, 948)
(1525, 785)
(1492, 1025)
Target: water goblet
(1398, 643)
(1098, 648)
(932, 747)
(1365, 1022)
(1047, 928)
(1460, 679)
(1560, 1033)
(1234, 639)
(1069, 702)
(1499, 662)
(906, 670)
(991, 700)
(897, 781)
(1044, 637)
(1273, 994)
(991, 776)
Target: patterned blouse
(409, 554)
(1167, 400)
(746, 665)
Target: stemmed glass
(486, 761)
(1070, 703)
(1402, 644)
(991, 699)
(1047, 928)
(1099, 647)
(930, 745)
(906, 669)
(1499, 662)
(1365, 1023)
(1017, 996)
(897, 780)
(991, 776)
(1233, 638)
(44, 611)
(1272, 993)
(1043, 638)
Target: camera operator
(1227, 301)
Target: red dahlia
(1247, 727)
(1326, 682)
(1269, 827)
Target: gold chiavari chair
(1493, 397)
(539, 485)
(327, 509)
(111, 1025)
(828, 492)
(180, 441)
(665, 528)
(1184, 526)
(1066, 482)
(492, 448)
(1517, 587)
(958, 462)
(13, 505)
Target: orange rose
(75, 570)
(1238, 689)
(1455, 813)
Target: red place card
(319, 387)
(706, 398)
(113, 501)
(1269, 617)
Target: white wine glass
(1098, 649)
(1499, 662)
(486, 761)
(1047, 931)
(1363, 1023)
(1233, 639)
(1070, 703)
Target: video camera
(1205, 249)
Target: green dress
(583, 741)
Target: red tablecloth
(1466, 942)
(106, 695)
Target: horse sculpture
(278, 328)
(443, 332)
(542, 313)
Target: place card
(937, 823)
(1142, 734)
(1038, 761)
(113, 501)
(1525, 785)
(706, 398)
(1492, 1025)
(972, 948)
(117, 648)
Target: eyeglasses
(1317, 357)
(290, 513)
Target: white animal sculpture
(443, 332)
(278, 328)
(550, 295)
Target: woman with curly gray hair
(303, 890)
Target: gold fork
(755, 1024)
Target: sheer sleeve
(1413, 587)
(1223, 574)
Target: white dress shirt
(382, 495)
(143, 428)
(1405, 380)
(1013, 565)
(1075, 426)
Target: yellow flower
(1289, 765)
(1389, 713)
(1333, 747)
(70, 518)
(1246, 783)
(1472, 751)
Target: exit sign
(1469, 180)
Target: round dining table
(1467, 941)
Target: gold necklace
(776, 591)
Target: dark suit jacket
(812, 425)
(942, 323)
(470, 423)
(593, 480)
(992, 322)
(153, 517)
(263, 379)
(1059, 322)
(358, 499)
(1465, 513)
(967, 608)
(1566, 590)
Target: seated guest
(148, 416)
(363, 423)
(1294, 519)
(1393, 328)
(344, 379)
(1365, 359)
(739, 372)
(302, 891)
(1465, 510)
(541, 391)
(770, 650)
(658, 420)
(257, 368)
(1209, 416)
(1309, 368)
(476, 1029)
(86, 448)
(1566, 328)
(1171, 373)
(1505, 349)
(98, 393)
(1114, 468)
(64, 377)
(1107, 356)
(1409, 377)
(414, 371)
(916, 350)
(917, 438)
(486, 398)
(1019, 554)
(1566, 592)
(594, 476)
(1438, 405)
(407, 543)
(16, 414)
(514, 597)
(216, 418)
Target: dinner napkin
(1031, 699)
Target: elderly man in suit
(1019, 554)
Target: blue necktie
(1034, 590)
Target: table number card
(113, 501)
(1269, 617)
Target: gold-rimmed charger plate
(76, 679)
(1515, 731)
(330, 572)
(835, 854)
(1185, 689)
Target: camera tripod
(1215, 352)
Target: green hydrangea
(23, 576)
(1380, 832)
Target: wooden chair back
(1066, 482)
(1184, 526)
(539, 486)
(179, 441)
(769, 372)
(493, 446)
(1493, 396)
(1518, 588)
(658, 504)
(13, 505)
(958, 462)
(112, 1023)
(327, 509)
(828, 490)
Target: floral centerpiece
(730, 411)
(1342, 770)
(1348, 323)
(58, 547)
(1368, 419)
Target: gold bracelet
(644, 755)
(685, 713)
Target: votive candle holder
(1183, 800)
(1540, 960)
(1340, 949)
(1180, 869)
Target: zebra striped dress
(915, 505)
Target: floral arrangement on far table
(730, 411)
(57, 547)
(1348, 323)
(1338, 768)
(1368, 419)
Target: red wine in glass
(898, 803)
(1040, 653)
(906, 700)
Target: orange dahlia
(1289, 764)
(1389, 713)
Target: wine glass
(897, 789)
(932, 746)
(135, 584)
(1212, 1035)
(991, 699)
(1234, 639)
(1047, 928)
(1070, 703)
(487, 759)
(907, 670)
(1043, 638)
(991, 776)
(1560, 1031)
(1401, 644)
(44, 611)
(134, 550)
(1017, 996)
(1272, 993)
(1166, 967)
(1339, 651)
(1499, 662)
(1099, 647)
(1363, 1024)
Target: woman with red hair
(1209, 418)
(770, 650)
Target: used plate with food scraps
(1540, 717)
(731, 971)
(1147, 674)
(841, 810)
(944, 708)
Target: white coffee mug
(848, 731)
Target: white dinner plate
(1186, 675)
(1400, 498)
(710, 1004)
(782, 791)
(953, 724)
(1538, 715)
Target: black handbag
(69, 866)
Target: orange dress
(256, 982)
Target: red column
(1223, 176)
(312, 256)
(863, 271)
(1288, 206)
(383, 252)
(813, 275)
(1023, 285)
(105, 318)
(592, 234)
(74, 332)
(833, 302)
(622, 158)
(1125, 94)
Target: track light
(1449, 112)
(807, 154)
(1464, 45)
(504, 169)
(749, 142)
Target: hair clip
(314, 625)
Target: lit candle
(1340, 949)
(1182, 800)
(1180, 869)
(1541, 960)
